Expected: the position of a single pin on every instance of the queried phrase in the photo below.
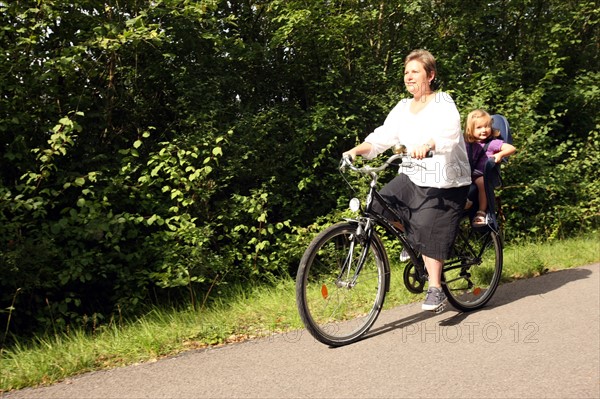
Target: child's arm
(505, 150)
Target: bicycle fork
(362, 234)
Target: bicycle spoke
(472, 275)
(336, 304)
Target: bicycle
(344, 274)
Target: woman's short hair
(425, 58)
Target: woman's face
(415, 78)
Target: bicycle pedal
(440, 308)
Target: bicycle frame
(372, 218)
(467, 256)
(338, 306)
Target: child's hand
(497, 158)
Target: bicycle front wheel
(337, 303)
(472, 275)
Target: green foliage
(153, 151)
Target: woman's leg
(435, 298)
(434, 270)
(392, 193)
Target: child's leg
(479, 219)
(481, 193)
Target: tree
(151, 151)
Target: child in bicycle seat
(483, 142)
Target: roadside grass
(242, 314)
(534, 259)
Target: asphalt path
(538, 338)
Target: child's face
(482, 129)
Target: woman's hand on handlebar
(347, 160)
(421, 151)
(349, 154)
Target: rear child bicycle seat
(491, 174)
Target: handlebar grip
(345, 161)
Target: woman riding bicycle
(430, 198)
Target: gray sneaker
(435, 299)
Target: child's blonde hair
(470, 125)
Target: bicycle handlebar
(347, 162)
(366, 170)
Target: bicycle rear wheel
(336, 305)
(472, 275)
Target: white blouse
(438, 121)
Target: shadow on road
(519, 289)
(506, 293)
(398, 324)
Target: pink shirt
(478, 158)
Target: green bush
(152, 151)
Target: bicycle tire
(472, 275)
(334, 312)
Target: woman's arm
(382, 138)
(361, 149)
(444, 122)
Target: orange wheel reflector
(477, 291)
(324, 291)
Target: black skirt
(430, 215)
